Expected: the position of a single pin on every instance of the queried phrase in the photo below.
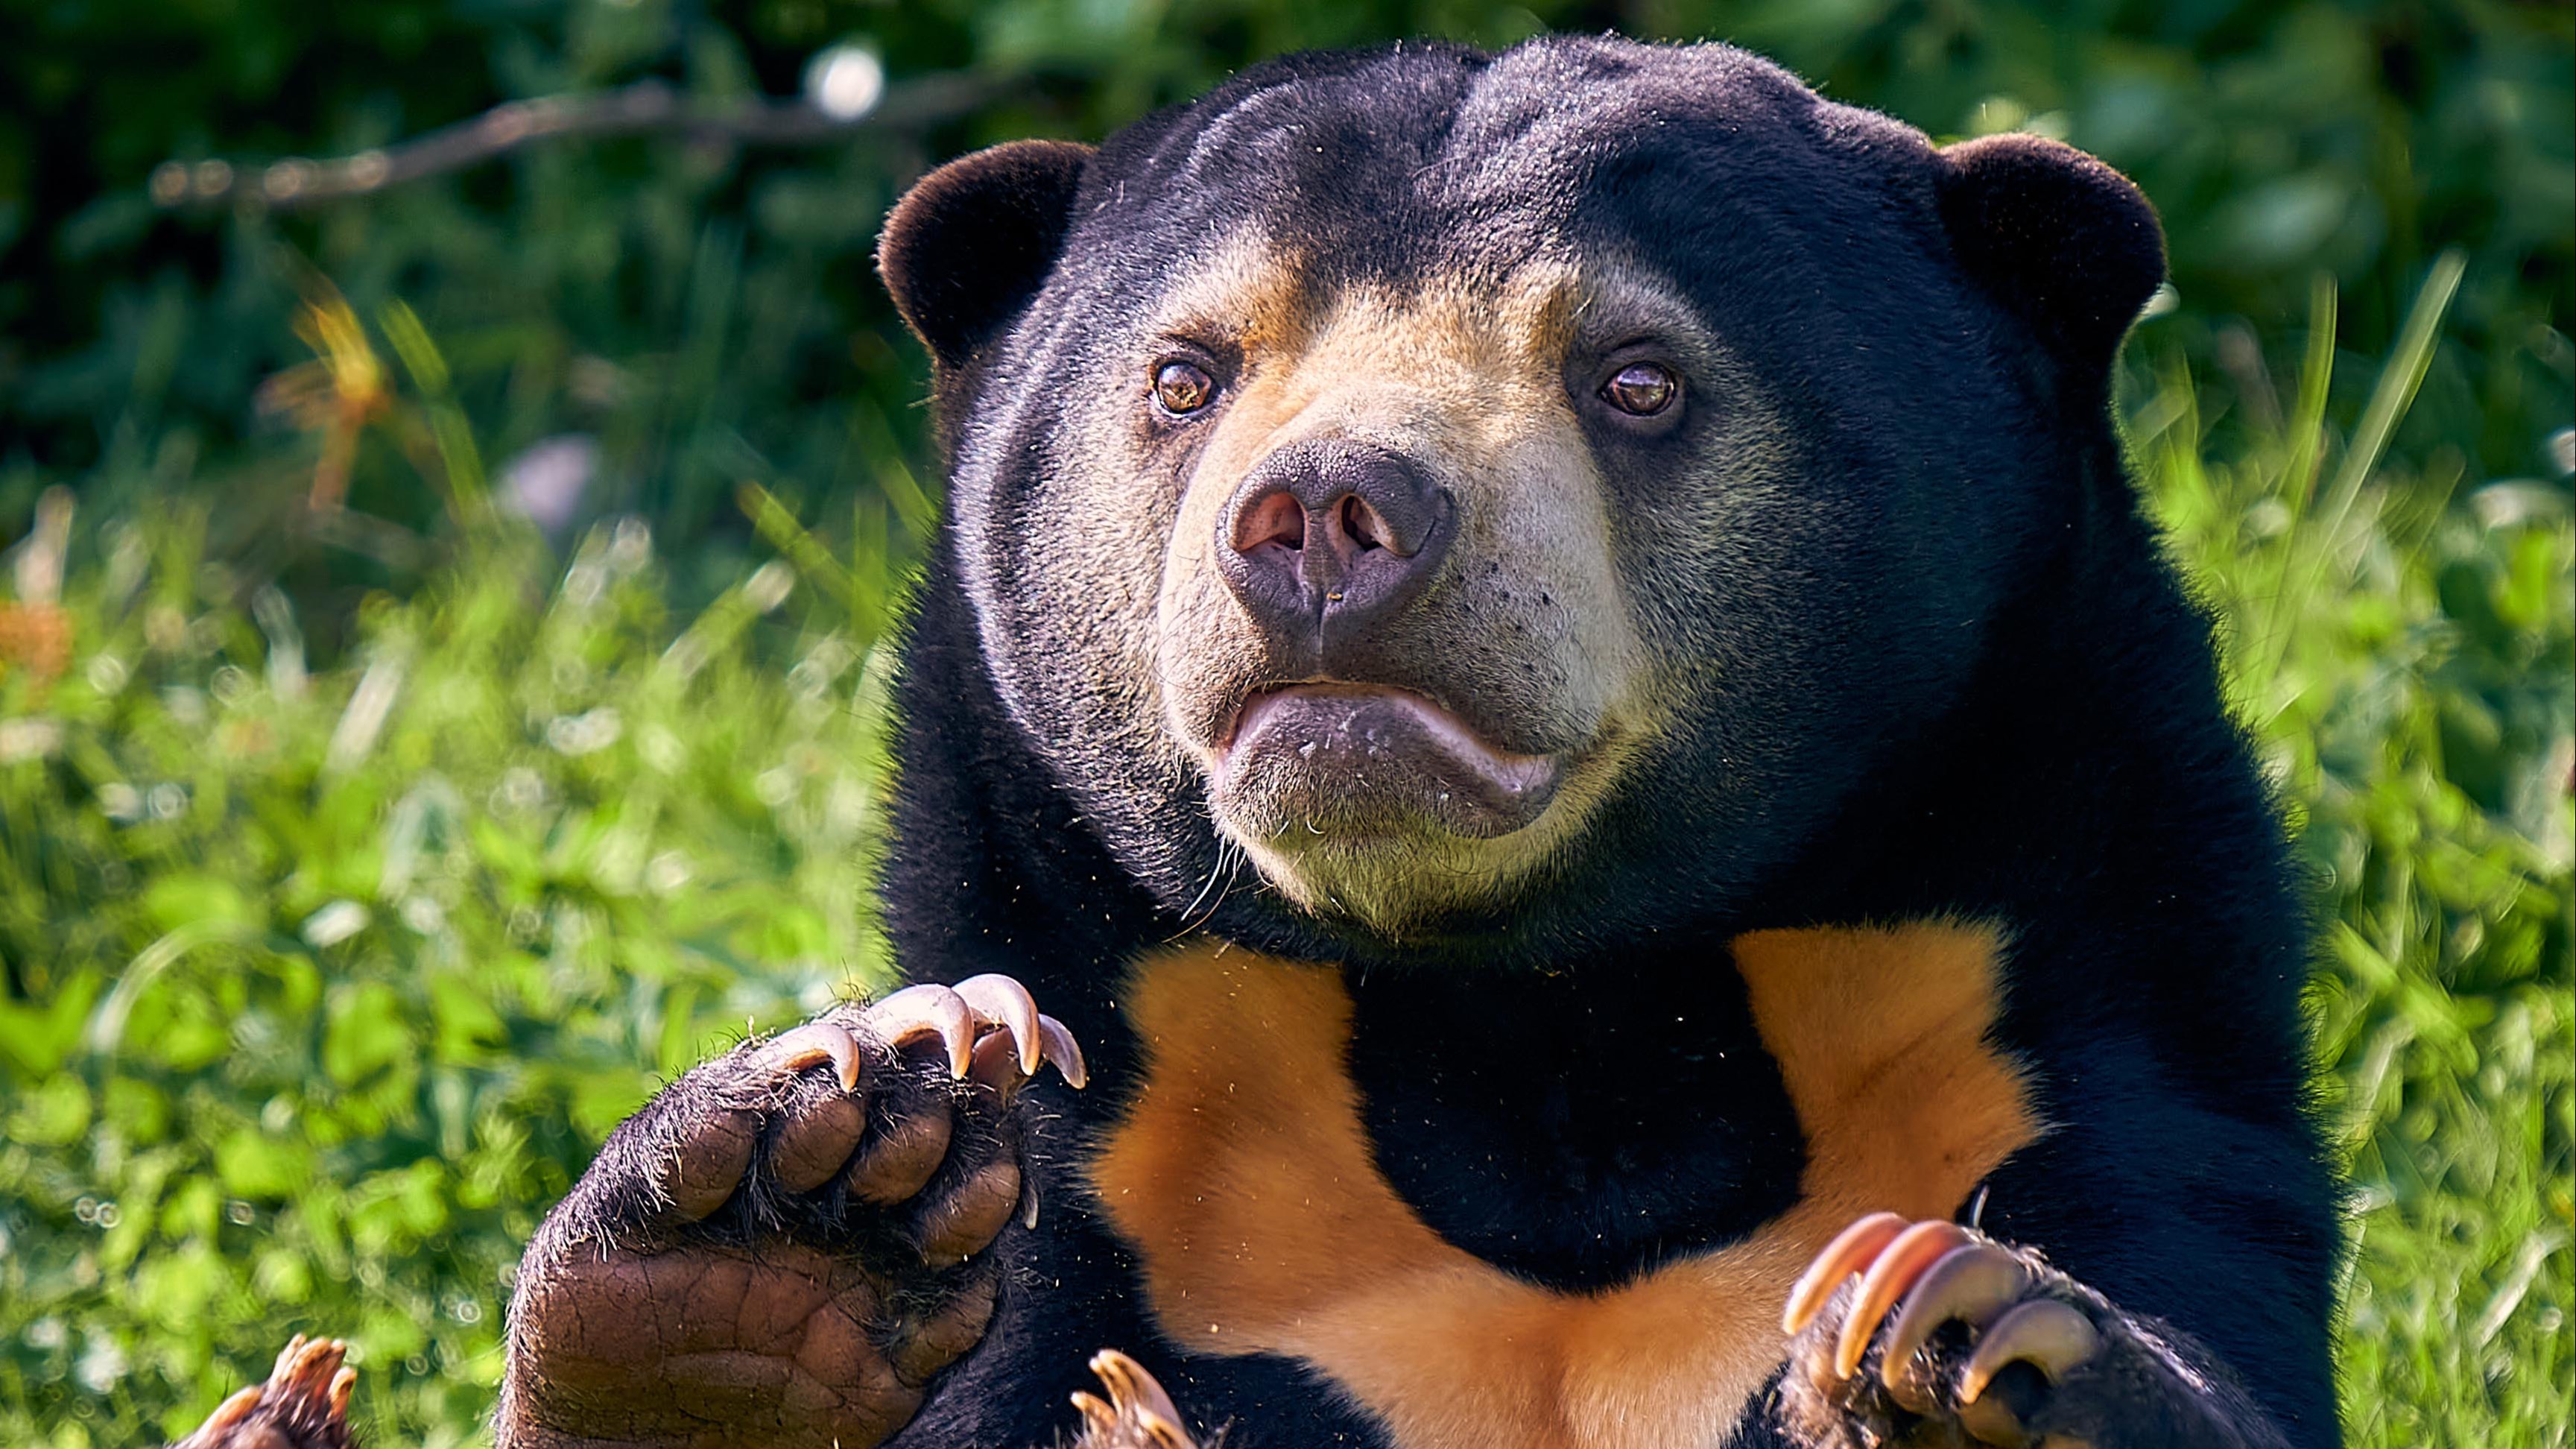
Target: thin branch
(645, 108)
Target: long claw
(817, 1042)
(314, 1364)
(1914, 1250)
(1065, 1052)
(319, 1358)
(1097, 1417)
(1131, 1388)
(1852, 1250)
(341, 1384)
(1970, 1284)
(917, 1012)
(1006, 1003)
(2047, 1334)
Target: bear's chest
(1245, 1175)
(1575, 1132)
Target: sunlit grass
(2406, 658)
(324, 982)
(325, 975)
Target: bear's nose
(1329, 535)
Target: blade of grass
(2398, 381)
(777, 524)
(468, 491)
(2308, 414)
(2399, 378)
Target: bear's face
(1435, 478)
(1400, 626)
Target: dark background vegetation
(709, 312)
(364, 855)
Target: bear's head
(1472, 489)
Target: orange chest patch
(1242, 1174)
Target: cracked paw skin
(1931, 1335)
(790, 1241)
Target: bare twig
(645, 108)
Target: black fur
(965, 251)
(2063, 240)
(1979, 692)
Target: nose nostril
(1360, 532)
(1362, 525)
(1277, 518)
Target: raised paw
(303, 1405)
(1136, 1415)
(789, 1242)
(1929, 1333)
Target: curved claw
(2047, 1334)
(1130, 1386)
(919, 1012)
(817, 1042)
(1136, 1398)
(1969, 1284)
(313, 1367)
(1065, 1052)
(1852, 1250)
(1003, 1002)
(1098, 1419)
(1913, 1250)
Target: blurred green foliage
(708, 313)
(364, 864)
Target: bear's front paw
(1948, 1339)
(783, 1247)
(304, 1404)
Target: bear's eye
(1642, 389)
(1183, 387)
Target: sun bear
(1543, 682)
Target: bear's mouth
(1339, 759)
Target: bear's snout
(1329, 536)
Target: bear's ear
(973, 241)
(2056, 235)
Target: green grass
(325, 977)
(2407, 658)
(330, 982)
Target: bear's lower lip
(1346, 759)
